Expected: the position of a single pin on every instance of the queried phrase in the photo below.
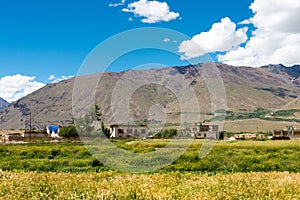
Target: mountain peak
(3, 103)
(293, 72)
(274, 67)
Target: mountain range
(272, 87)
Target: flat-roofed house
(288, 132)
(127, 131)
(204, 131)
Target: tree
(105, 130)
(91, 124)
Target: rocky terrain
(154, 92)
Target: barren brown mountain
(271, 87)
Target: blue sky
(51, 38)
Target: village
(127, 131)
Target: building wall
(204, 132)
(294, 133)
(22, 136)
(36, 135)
(125, 131)
(202, 128)
(210, 135)
(15, 137)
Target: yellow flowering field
(112, 185)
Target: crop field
(112, 185)
(225, 157)
(232, 170)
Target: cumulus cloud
(151, 11)
(223, 36)
(17, 86)
(55, 79)
(276, 38)
(122, 3)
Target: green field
(225, 157)
(232, 170)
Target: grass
(242, 156)
(285, 113)
(225, 157)
(46, 157)
(260, 113)
(111, 185)
(232, 170)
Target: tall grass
(111, 185)
(225, 157)
(69, 171)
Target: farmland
(232, 170)
(111, 185)
(225, 157)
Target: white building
(127, 131)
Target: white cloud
(245, 22)
(151, 11)
(223, 36)
(276, 38)
(17, 86)
(130, 19)
(122, 3)
(55, 79)
(167, 40)
(52, 77)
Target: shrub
(68, 131)
(167, 133)
(285, 113)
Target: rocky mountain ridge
(271, 87)
(3, 103)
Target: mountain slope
(294, 104)
(246, 89)
(3, 103)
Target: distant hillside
(271, 87)
(294, 104)
(3, 103)
(290, 73)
